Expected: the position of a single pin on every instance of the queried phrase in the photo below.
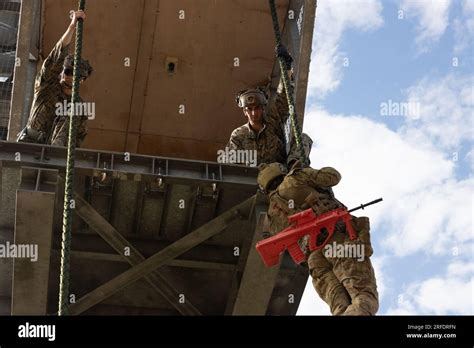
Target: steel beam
(184, 244)
(234, 288)
(35, 202)
(24, 71)
(127, 166)
(297, 35)
(227, 267)
(302, 33)
(9, 183)
(260, 203)
(118, 242)
(257, 282)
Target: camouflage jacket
(48, 92)
(269, 142)
(302, 188)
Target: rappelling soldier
(347, 284)
(53, 87)
(263, 132)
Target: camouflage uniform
(269, 142)
(61, 131)
(347, 285)
(294, 155)
(47, 93)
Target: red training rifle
(302, 224)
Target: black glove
(282, 52)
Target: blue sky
(369, 52)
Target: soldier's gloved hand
(282, 52)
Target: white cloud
(405, 307)
(433, 19)
(460, 268)
(424, 208)
(426, 211)
(446, 111)
(464, 27)
(440, 295)
(434, 220)
(374, 161)
(436, 296)
(470, 159)
(378, 262)
(332, 19)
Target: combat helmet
(268, 173)
(251, 97)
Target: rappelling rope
(69, 182)
(286, 84)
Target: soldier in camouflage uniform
(264, 130)
(53, 86)
(346, 284)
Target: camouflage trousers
(56, 135)
(60, 131)
(347, 284)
